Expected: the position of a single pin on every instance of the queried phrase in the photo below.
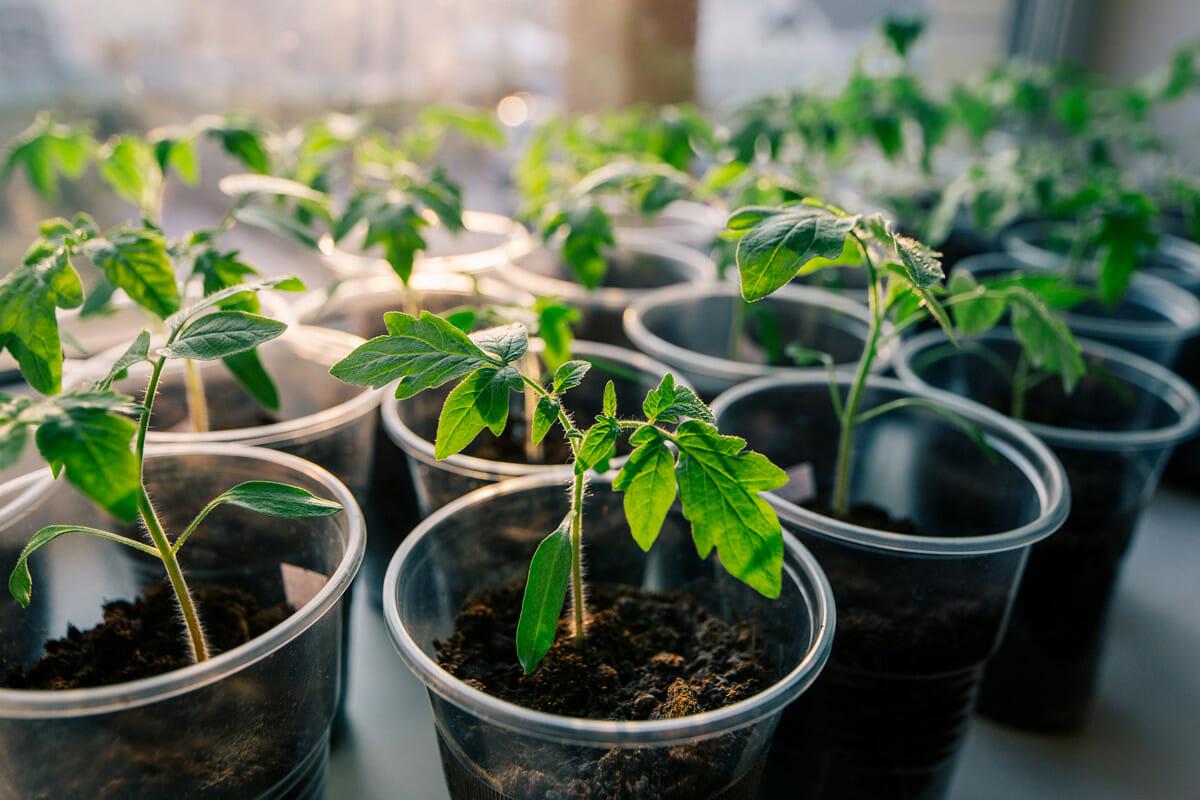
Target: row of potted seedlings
(924, 509)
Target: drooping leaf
(247, 368)
(20, 581)
(777, 246)
(545, 414)
(975, 310)
(136, 260)
(424, 352)
(136, 353)
(222, 334)
(29, 296)
(88, 435)
(480, 401)
(1045, 338)
(648, 481)
(545, 594)
(718, 485)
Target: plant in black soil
(867, 728)
(624, 654)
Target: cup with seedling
(603, 668)
(919, 505)
(245, 669)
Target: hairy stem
(534, 453)
(154, 526)
(849, 416)
(577, 602)
(196, 403)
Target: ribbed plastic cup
(411, 424)
(691, 329)
(357, 307)
(252, 722)
(1113, 435)
(919, 614)
(487, 242)
(1154, 318)
(639, 265)
(495, 750)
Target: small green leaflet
(545, 593)
(20, 581)
(669, 403)
(480, 401)
(589, 235)
(776, 246)
(599, 443)
(1045, 338)
(136, 353)
(718, 485)
(46, 150)
(130, 167)
(423, 352)
(610, 399)
(544, 416)
(975, 309)
(278, 500)
(648, 481)
(86, 434)
(137, 261)
(507, 343)
(223, 333)
(555, 319)
(248, 369)
(570, 375)
(29, 296)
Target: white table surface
(1142, 743)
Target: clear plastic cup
(1113, 436)
(691, 329)
(411, 425)
(919, 613)
(486, 539)
(252, 722)
(1153, 319)
(639, 265)
(357, 307)
(684, 222)
(489, 241)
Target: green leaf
(1045, 338)
(975, 310)
(278, 500)
(777, 246)
(221, 270)
(610, 399)
(248, 370)
(178, 154)
(669, 403)
(46, 150)
(242, 139)
(803, 356)
(648, 481)
(29, 296)
(130, 167)
(570, 375)
(87, 434)
(545, 593)
(235, 294)
(921, 263)
(136, 353)
(718, 486)
(20, 581)
(14, 427)
(137, 261)
(599, 445)
(901, 32)
(508, 343)
(479, 126)
(480, 401)
(589, 235)
(545, 414)
(223, 333)
(555, 319)
(279, 222)
(422, 352)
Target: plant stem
(849, 415)
(1019, 380)
(577, 556)
(197, 405)
(150, 519)
(534, 453)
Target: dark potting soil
(648, 655)
(142, 638)
(887, 714)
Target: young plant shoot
(676, 451)
(904, 280)
(97, 436)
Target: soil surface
(647, 656)
(143, 638)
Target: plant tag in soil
(300, 585)
(801, 486)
